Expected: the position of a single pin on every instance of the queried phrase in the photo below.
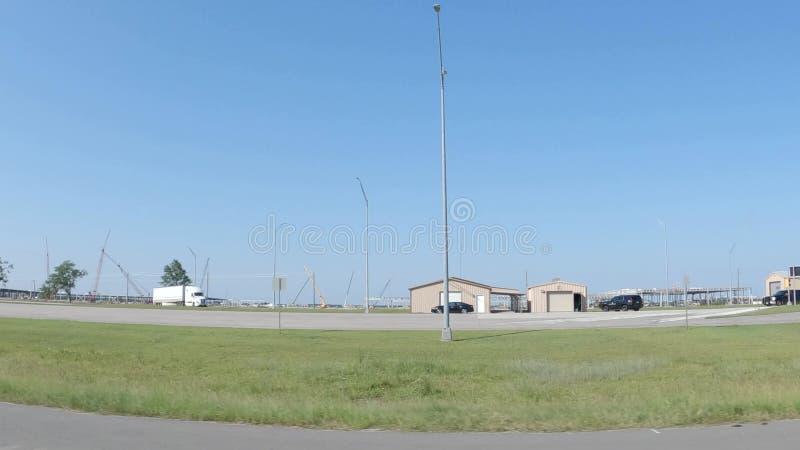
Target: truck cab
(194, 296)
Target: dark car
(781, 298)
(622, 302)
(459, 307)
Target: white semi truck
(179, 296)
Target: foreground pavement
(35, 427)
(355, 321)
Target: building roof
(493, 290)
(556, 281)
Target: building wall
(537, 295)
(772, 278)
(426, 297)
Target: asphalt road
(342, 321)
(35, 427)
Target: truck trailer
(179, 296)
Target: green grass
(535, 380)
(219, 308)
(765, 311)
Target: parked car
(780, 298)
(459, 307)
(622, 302)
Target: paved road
(35, 427)
(342, 321)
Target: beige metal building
(777, 281)
(428, 295)
(557, 296)
(774, 283)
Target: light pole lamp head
(437, 7)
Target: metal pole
(446, 332)
(274, 259)
(666, 264)
(519, 307)
(730, 272)
(366, 246)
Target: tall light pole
(194, 255)
(366, 246)
(446, 332)
(666, 263)
(730, 272)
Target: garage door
(560, 302)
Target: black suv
(454, 307)
(622, 302)
(780, 298)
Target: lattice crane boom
(99, 268)
(323, 302)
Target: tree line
(65, 276)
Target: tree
(64, 277)
(174, 275)
(5, 269)
(46, 292)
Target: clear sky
(188, 123)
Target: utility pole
(738, 280)
(519, 307)
(47, 258)
(730, 272)
(446, 332)
(274, 260)
(666, 264)
(685, 298)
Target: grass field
(220, 308)
(767, 310)
(537, 380)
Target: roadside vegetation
(533, 381)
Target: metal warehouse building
(428, 295)
(557, 296)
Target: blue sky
(187, 123)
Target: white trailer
(179, 296)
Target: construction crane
(127, 276)
(323, 303)
(299, 292)
(350, 283)
(383, 291)
(205, 273)
(385, 286)
(93, 294)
